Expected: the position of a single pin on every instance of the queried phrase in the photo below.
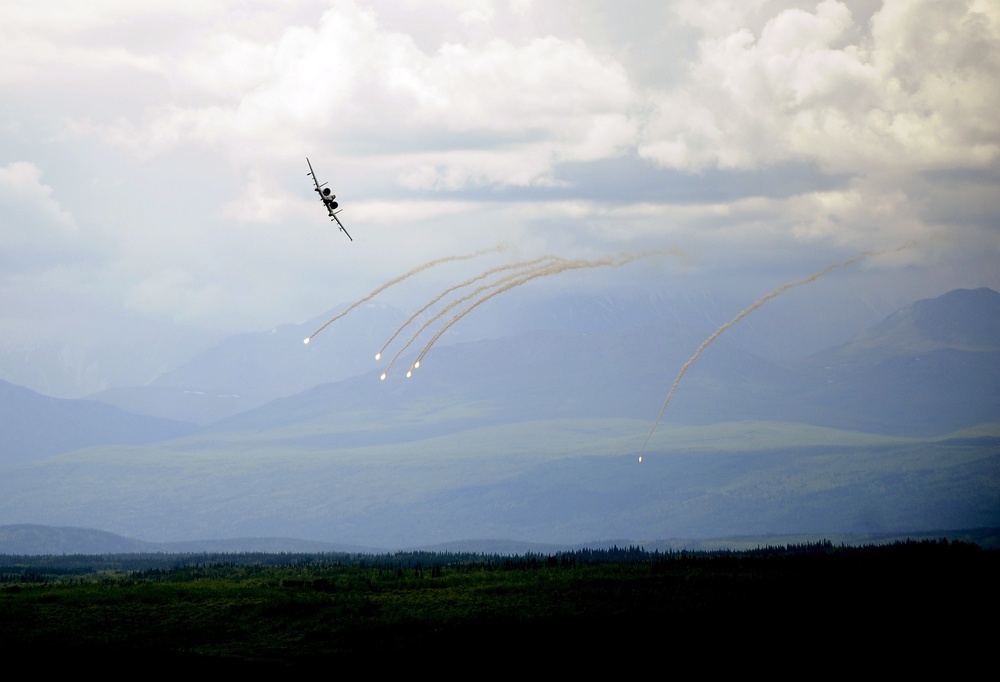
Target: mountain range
(943, 378)
(534, 436)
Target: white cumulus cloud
(918, 90)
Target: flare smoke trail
(554, 269)
(462, 299)
(718, 332)
(411, 273)
(473, 280)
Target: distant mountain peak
(962, 319)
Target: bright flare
(378, 356)
(306, 341)
(382, 377)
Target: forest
(283, 611)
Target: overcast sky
(152, 155)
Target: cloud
(469, 11)
(918, 92)
(496, 102)
(34, 230)
(175, 293)
(22, 191)
(497, 110)
(256, 201)
(752, 134)
(718, 17)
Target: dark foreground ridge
(221, 611)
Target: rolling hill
(35, 425)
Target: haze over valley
(533, 437)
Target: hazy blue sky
(152, 155)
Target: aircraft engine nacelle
(326, 193)
(334, 205)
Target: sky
(153, 155)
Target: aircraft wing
(334, 216)
(313, 174)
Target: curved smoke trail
(718, 332)
(453, 304)
(545, 271)
(455, 287)
(411, 273)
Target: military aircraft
(328, 200)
